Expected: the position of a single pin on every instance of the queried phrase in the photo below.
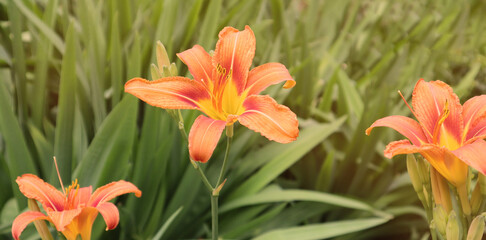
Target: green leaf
(63, 144)
(210, 25)
(107, 157)
(290, 153)
(18, 157)
(167, 223)
(116, 63)
(324, 230)
(273, 195)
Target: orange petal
(203, 137)
(63, 218)
(84, 222)
(82, 196)
(199, 63)
(446, 163)
(33, 187)
(404, 125)
(170, 92)
(268, 74)
(110, 213)
(474, 155)
(474, 117)
(400, 147)
(112, 190)
(22, 220)
(234, 53)
(428, 101)
(264, 115)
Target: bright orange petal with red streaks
(63, 218)
(199, 63)
(170, 92)
(446, 163)
(429, 100)
(24, 219)
(203, 137)
(268, 74)
(234, 52)
(474, 117)
(110, 214)
(264, 115)
(112, 190)
(474, 155)
(408, 127)
(400, 147)
(33, 187)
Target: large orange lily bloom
(74, 211)
(448, 135)
(225, 90)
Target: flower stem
(40, 225)
(226, 154)
(214, 214)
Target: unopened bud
(453, 230)
(413, 172)
(482, 184)
(173, 69)
(165, 71)
(476, 230)
(154, 71)
(440, 218)
(423, 167)
(476, 200)
(161, 54)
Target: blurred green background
(63, 65)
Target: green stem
(460, 215)
(203, 176)
(226, 154)
(214, 214)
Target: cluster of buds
(450, 212)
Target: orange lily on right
(449, 135)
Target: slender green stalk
(214, 214)
(460, 212)
(229, 133)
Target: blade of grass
(18, 61)
(291, 153)
(324, 230)
(18, 159)
(107, 156)
(63, 144)
(44, 53)
(166, 225)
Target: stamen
(59, 175)
(443, 116)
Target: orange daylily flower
(74, 210)
(449, 135)
(225, 90)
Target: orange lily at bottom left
(74, 210)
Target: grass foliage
(62, 69)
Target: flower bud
(423, 167)
(414, 173)
(173, 69)
(162, 57)
(476, 200)
(453, 230)
(476, 230)
(440, 219)
(154, 71)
